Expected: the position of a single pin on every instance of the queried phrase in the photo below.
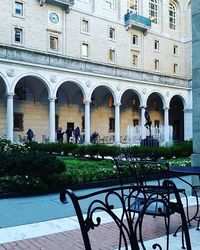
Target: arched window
(172, 16)
(133, 6)
(154, 11)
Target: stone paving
(102, 238)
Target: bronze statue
(148, 121)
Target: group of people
(70, 133)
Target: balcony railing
(134, 21)
(66, 3)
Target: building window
(111, 55)
(109, 4)
(154, 10)
(19, 8)
(175, 51)
(18, 35)
(156, 64)
(135, 40)
(84, 50)
(172, 16)
(56, 122)
(112, 33)
(175, 68)
(156, 45)
(85, 26)
(18, 122)
(54, 43)
(83, 124)
(133, 6)
(156, 123)
(135, 60)
(111, 124)
(135, 122)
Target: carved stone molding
(10, 72)
(88, 84)
(144, 91)
(53, 78)
(118, 88)
(167, 93)
(42, 2)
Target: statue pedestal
(149, 141)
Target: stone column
(196, 82)
(187, 124)
(143, 129)
(117, 122)
(166, 125)
(87, 121)
(52, 119)
(196, 85)
(9, 129)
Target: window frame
(111, 124)
(110, 60)
(112, 5)
(20, 15)
(172, 16)
(85, 31)
(21, 121)
(154, 11)
(175, 50)
(110, 28)
(21, 29)
(86, 44)
(157, 65)
(134, 7)
(134, 57)
(156, 45)
(135, 37)
(56, 35)
(175, 69)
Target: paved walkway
(64, 234)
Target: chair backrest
(106, 200)
(142, 170)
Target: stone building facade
(96, 64)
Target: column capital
(117, 104)
(10, 94)
(52, 99)
(87, 101)
(166, 108)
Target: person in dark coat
(30, 135)
(60, 134)
(69, 133)
(77, 134)
(94, 137)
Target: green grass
(87, 170)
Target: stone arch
(104, 86)
(34, 75)
(182, 97)
(5, 83)
(136, 91)
(159, 93)
(76, 82)
(176, 116)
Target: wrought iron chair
(130, 229)
(144, 171)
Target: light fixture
(110, 102)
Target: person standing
(77, 134)
(30, 135)
(69, 133)
(60, 134)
